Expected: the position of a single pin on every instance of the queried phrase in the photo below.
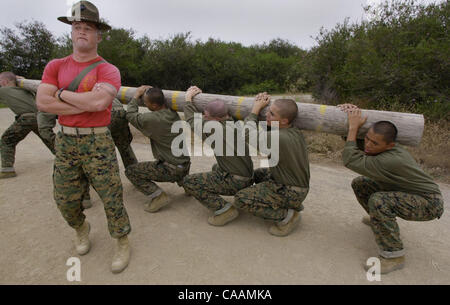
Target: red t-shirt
(61, 72)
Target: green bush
(265, 86)
(398, 59)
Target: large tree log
(320, 118)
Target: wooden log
(314, 117)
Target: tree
(26, 49)
(120, 47)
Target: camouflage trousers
(119, 128)
(207, 187)
(46, 123)
(22, 126)
(143, 175)
(95, 157)
(384, 206)
(121, 134)
(268, 199)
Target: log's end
(410, 126)
(413, 137)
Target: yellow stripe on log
(322, 110)
(124, 91)
(238, 111)
(174, 100)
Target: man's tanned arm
(47, 102)
(93, 101)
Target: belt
(83, 131)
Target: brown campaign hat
(85, 11)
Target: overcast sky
(245, 21)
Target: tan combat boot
(82, 243)
(87, 204)
(279, 229)
(6, 175)
(366, 220)
(390, 264)
(157, 203)
(121, 256)
(222, 219)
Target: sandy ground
(177, 246)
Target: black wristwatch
(59, 94)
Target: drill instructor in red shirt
(84, 143)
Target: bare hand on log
(355, 119)
(191, 93)
(261, 101)
(347, 107)
(140, 91)
(355, 122)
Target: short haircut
(9, 76)
(217, 108)
(387, 130)
(155, 96)
(287, 109)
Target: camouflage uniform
(280, 187)
(206, 187)
(121, 134)
(268, 199)
(93, 155)
(22, 126)
(120, 131)
(46, 123)
(231, 173)
(384, 206)
(143, 174)
(156, 126)
(22, 103)
(393, 185)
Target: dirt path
(177, 246)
